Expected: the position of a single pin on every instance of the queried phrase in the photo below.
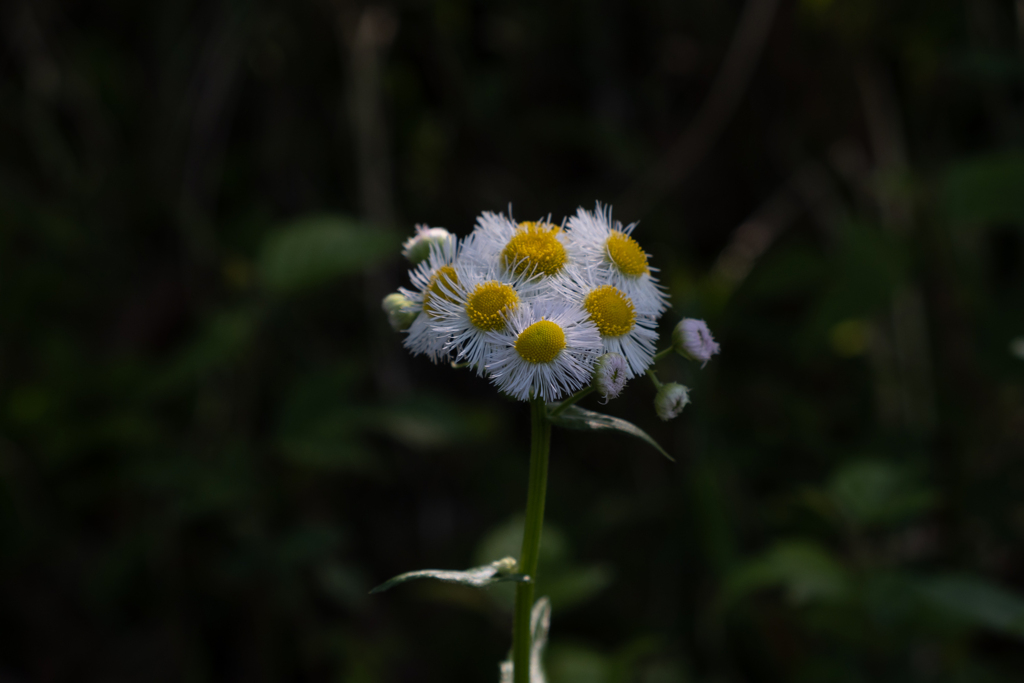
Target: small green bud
(417, 247)
(610, 375)
(692, 339)
(401, 311)
(671, 400)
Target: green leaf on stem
(583, 420)
(478, 577)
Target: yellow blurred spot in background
(850, 338)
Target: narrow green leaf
(312, 250)
(583, 420)
(478, 577)
(978, 601)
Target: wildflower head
(606, 246)
(417, 247)
(610, 375)
(692, 339)
(626, 254)
(535, 250)
(489, 303)
(401, 311)
(547, 350)
(671, 400)
(611, 310)
(441, 285)
(541, 342)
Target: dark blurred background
(212, 446)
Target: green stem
(654, 378)
(540, 446)
(557, 410)
(661, 354)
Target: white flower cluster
(533, 306)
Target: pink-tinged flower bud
(417, 247)
(401, 311)
(692, 339)
(610, 375)
(671, 400)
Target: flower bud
(417, 247)
(692, 339)
(671, 400)
(401, 311)
(610, 375)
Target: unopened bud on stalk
(610, 375)
(417, 247)
(692, 339)
(671, 400)
(401, 311)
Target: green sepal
(583, 420)
(478, 577)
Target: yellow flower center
(626, 254)
(535, 249)
(541, 342)
(489, 303)
(442, 281)
(611, 310)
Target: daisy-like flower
(625, 328)
(433, 280)
(547, 350)
(478, 303)
(534, 250)
(598, 242)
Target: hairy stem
(540, 446)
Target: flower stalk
(661, 354)
(540, 447)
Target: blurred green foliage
(212, 446)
